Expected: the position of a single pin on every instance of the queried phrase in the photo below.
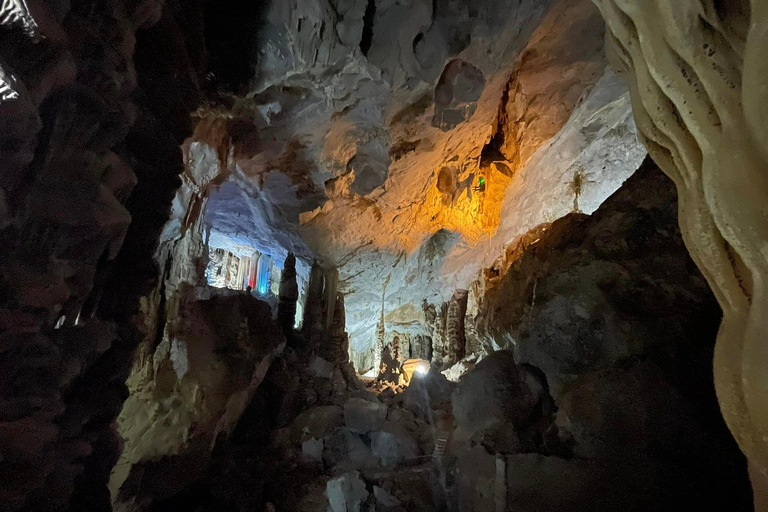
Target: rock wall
(611, 312)
(205, 350)
(189, 393)
(696, 71)
(590, 290)
(79, 105)
(406, 145)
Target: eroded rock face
(620, 326)
(190, 391)
(75, 113)
(406, 144)
(590, 290)
(509, 393)
(362, 416)
(696, 73)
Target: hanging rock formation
(697, 70)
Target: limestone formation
(339, 336)
(75, 173)
(598, 307)
(289, 294)
(448, 196)
(696, 71)
(314, 314)
(416, 160)
(379, 345)
(455, 334)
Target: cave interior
(383, 255)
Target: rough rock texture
(190, 391)
(77, 105)
(590, 290)
(509, 394)
(293, 450)
(406, 144)
(393, 444)
(620, 326)
(362, 416)
(346, 493)
(395, 148)
(697, 71)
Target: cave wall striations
(696, 72)
(90, 165)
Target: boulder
(362, 416)
(312, 449)
(348, 450)
(346, 493)
(474, 487)
(319, 367)
(319, 423)
(393, 444)
(384, 497)
(496, 391)
(427, 392)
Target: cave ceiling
(408, 142)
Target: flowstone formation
(697, 71)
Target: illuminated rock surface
(381, 255)
(697, 74)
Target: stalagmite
(288, 295)
(314, 315)
(396, 350)
(339, 336)
(468, 179)
(697, 73)
(440, 337)
(457, 341)
(378, 347)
